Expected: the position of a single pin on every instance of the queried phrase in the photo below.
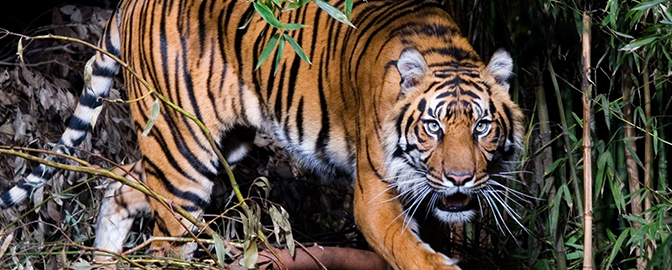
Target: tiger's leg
(120, 205)
(192, 194)
(379, 216)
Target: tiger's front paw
(441, 261)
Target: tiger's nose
(459, 178)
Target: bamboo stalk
(558, 231)
(662, 148)
(633, 172)
(568, 142)
(587, 171)
(648, 154)
(647, 139)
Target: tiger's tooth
(445, 201)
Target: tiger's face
(454, 125)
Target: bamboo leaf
(634, 153)
(636, 219)
(278, 54)
(617, 245)
(623, 35)
(555, 211)
(267, 50)
(568, 195)
(648, 4)
(616, 186)
(250, 254)
(604, 165)
(577, 119)
(607, 115)
(334, 12)
(553, 166)
(268, 15)
(297, 48)
(575, 255)
(294, 26)
(655, 141)
(153, 114)
(632, 46)
(295, 5)
(221, 250)
(348, 8)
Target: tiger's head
(453, 126)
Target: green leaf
(577, 119)
(649, 4)
(605, 108)
(334, 12)
(221, 250)
(295, 5)
(553, 166)
(153, 114)
(348, 8)
(623, 35)
(294, 26)
(268, 15)
(636, 219)
(575, 255)
(567, 196)
(632, 46)
(555, 211)
(278, 54)
(250, 254)
(264, 185)
(282, 227)
(616, 186)
(617, 245)
(634, 153)
(604, 163)
(267, 50)
(297, 48)
(655, 141)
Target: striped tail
(103, 70)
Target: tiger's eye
(482, 127)
(433, 127)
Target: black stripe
(421, 105)
(458, 53)
(88, 100)
(299, 120)
(409, 122)
(152, 169)
(78, 124)
(446, 93)
(323, 135)
(400, 118)
(160, 224)
(42, 172)
(98, 70)
(201, 27)
(507, 112)
(471, 94)
(109, 46)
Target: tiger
(400, 103)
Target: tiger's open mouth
(457, 202)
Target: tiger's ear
(412, 68)
(500, 66)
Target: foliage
(629, 39)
